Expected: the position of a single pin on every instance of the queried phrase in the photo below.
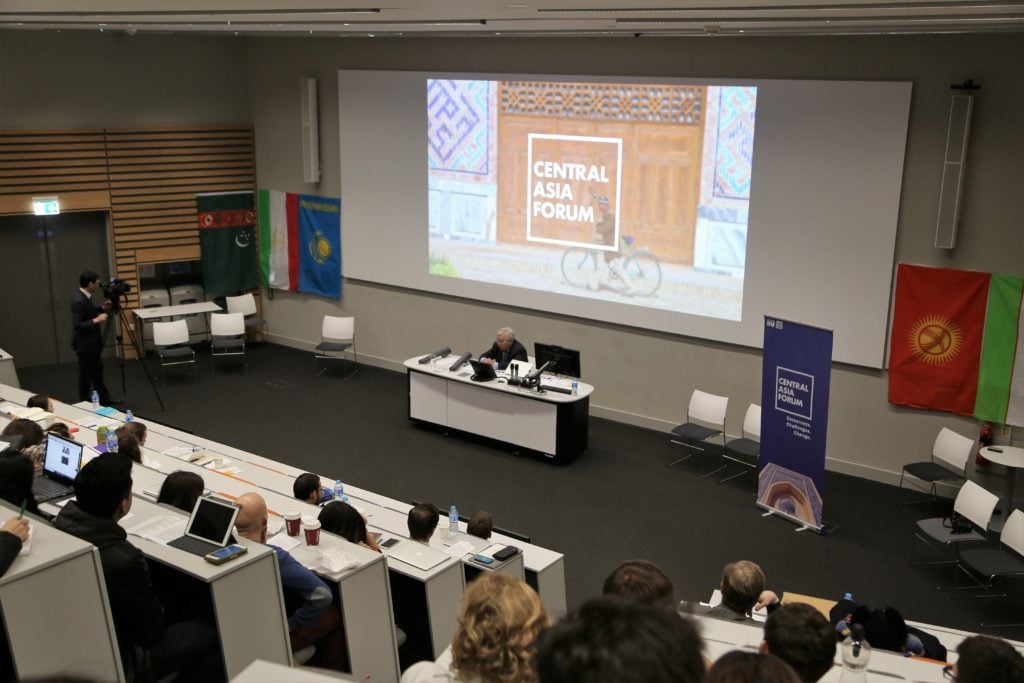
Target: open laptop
(209, 527)
(418, 555)
(60, 467)
(482, 372)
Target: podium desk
(55, 608)
(552, 423)
(246, 592)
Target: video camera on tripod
(115, 290)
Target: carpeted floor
(617, 502)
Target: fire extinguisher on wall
(984, 440)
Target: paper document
(96, 421)
(459, 549)
(284, 541)
(161, 529)
(336, 560)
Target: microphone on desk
(534, 374)
(463, 359)
(440, 353)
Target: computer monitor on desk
(561, 361)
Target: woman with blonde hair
(500, 618)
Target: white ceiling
(516, 18)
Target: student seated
(498, 623)
(342, 519)
(60, 429)
(480, 525)
(307, 487)
(31, 440)
(750, 667)
(136, 429)
(17, 474)
(312, 616)
(103, 491)
(640, 581)
(801, 636)
(181, 490)
(987, 660)
(743, 590)
(40, 401)
(422, 521)
(609, 639)
(129, 448)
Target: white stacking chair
(227, 337)
(171, 341)
(950, 454)
(746, 449)
(246, 305)
(705, 419)
(337, 335)
(972, 503)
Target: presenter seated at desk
(312, 617)
(103, 490)
(743, 591)
(504, 350)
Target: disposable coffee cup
(312, 531)
(292, 523)
(442, 531)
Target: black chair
(996, 563)
(950, 455)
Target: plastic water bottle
(95, 400)
(855, 654)
(111, 440)
(453, 521)
(339, 490)
(128, 417)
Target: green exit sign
(45, 206)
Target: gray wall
(641, 377)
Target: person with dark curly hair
(500, 619)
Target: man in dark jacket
(87, 338)
(104, 495)
(504, 350)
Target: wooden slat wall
(147, 177)
(155, 174)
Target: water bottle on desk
(128, 417)
(112, 441)
(453, 521)
(95, 400)
(339, 490)
(855, 654)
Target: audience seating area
(379, 592)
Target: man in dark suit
(87, 338)
(504, 350)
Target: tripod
(117, 310)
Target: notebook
(60, 467)
(209, 527)
(418, 555)
(482, 372)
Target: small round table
(1012, 458)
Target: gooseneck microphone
(440, 353)
(463, 359)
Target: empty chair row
(705, 422)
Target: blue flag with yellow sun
(319, 242)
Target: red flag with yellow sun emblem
(937, 330)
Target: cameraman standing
(87, 338)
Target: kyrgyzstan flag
(937, 331)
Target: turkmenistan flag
(227, 240)
(1001, 375)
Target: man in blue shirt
(312, 617)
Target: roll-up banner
(794, 420)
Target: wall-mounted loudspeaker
(310, 132)
(953, 171)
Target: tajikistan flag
(279, 239)
(1001, 373)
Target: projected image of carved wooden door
(657, 128)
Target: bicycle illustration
(641, 268)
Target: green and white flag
(1001, 374)
(227, 240)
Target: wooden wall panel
(147, 178)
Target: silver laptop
(60, 467)
(418, 555)
(209, 527)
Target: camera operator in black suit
(87, 338)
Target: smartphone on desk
(225, 554)
(389, 542)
